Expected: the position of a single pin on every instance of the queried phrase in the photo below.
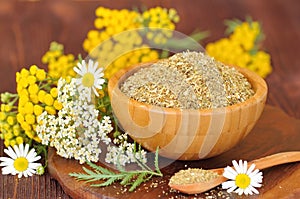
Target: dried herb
(192, 175)
(189, 80)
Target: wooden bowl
(186, 134)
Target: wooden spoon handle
(276, 159)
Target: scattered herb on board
(133, 178)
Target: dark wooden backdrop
(28, 27)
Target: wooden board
(274, 132)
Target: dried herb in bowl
(189, 80)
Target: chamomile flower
(21, 161)
(90, 77)
(242, 180)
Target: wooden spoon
(261, 163)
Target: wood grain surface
(270, 131)
(28, 27)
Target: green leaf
(139, 180)
(106, 183)
(127, 179)
(156, 161)
(135, 177)
(99, 168)
(231, 25)
(88, 171)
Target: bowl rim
(258, 84)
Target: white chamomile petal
(32, 156)
(229, 173)
(240, 167)
(95, 91)
(34, 165)
(10, 152)
(235, 165)
(247, 191)
(252, 189)
(17, 151)
(83, 66)
(231, 189)
(245, 167)
(76, 69)
(21, 150)
(26, 149)
(251, 168)
(92, 66)
(254, 173)
(6, 161)
(228, 184)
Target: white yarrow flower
(242, 180)
(91, 77)
(21, 161)
(76, 130)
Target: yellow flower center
(242, 181)
(88, 80)
(21, 164)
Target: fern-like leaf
(133, 178)
(156, 161)
(139, 180)
(126, 180)
(99, 168)
(106, 183)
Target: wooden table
(27, 28)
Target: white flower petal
(251, 168)
(10, 152)
(20, 175)
(231, 189)
(247, 191)
(228, 184)
(245, 167)
(25, 152)
(99, 73)
(6, 161)
(240, 167)
(92, 67)
(239, 191)
(17, 150)
(254, 173)
(95, 91)
(8, 170)
(229, 173)
(31, 154)
(34, 165)
(255, 184)
(252, 189)
(235, 165)
(21, 150)
(78, 71)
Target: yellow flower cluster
(59, 64)
(10, 129)
(35, 96)
(117, 43)
(241, 48)
(159, 18)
